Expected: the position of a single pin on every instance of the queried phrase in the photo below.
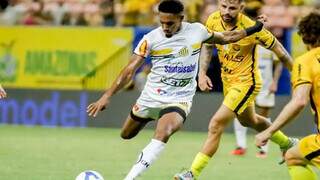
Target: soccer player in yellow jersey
(306, 86)
(241, 81)
(3, 93)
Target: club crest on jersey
(183, 52)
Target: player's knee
(216, 126)
(292, 160)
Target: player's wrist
(253, 29)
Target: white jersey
(266, 59)
(174, 64)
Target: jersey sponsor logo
(226, 69)
(233, 58)
(179, 68)
(176, 82)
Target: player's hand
(262, 18)
(3, 93)
(262, 138)
(100, 105)
(204, 83)
(273, 87)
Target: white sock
(241, 133)
(145, 159)
(265, 147)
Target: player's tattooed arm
(204, 81)
(283, 55)
(123, 79)
(234, 36)
(205, 57)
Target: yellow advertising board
(59, 57)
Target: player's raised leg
(171, 120)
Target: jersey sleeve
(144, 47)
(301, 73)
(204, 34)
(265, 38)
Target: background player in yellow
(241, 81)
(3, 93)
(306, 86)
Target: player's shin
(199, 163)
(281, 139)
(150, 153)
(302, 173)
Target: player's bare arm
(124, 77)
(276, 76)
(300, 99)
(283, 55)
(3, 93)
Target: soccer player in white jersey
(167, 96)
(265, 100)
(3, 93)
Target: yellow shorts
(309, 147)
(237, 98)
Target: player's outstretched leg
(167, 125)
(216, 127)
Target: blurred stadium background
(56, 56)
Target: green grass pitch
(37, 153)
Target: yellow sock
(281, 139)
(199, 162)
(302, 173)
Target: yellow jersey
(239, 65)
(306, 70)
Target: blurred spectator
(192, 9)
(208, 8)
(58, 10)
(3, 4)
(13, 12)
(36, 16)
(137, 12)
(108, 12)
(279, 17)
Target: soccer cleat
(261, 154)
(239, 151)
(292, 142)
(185, 175)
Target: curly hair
(309, 28)
(171, 6)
